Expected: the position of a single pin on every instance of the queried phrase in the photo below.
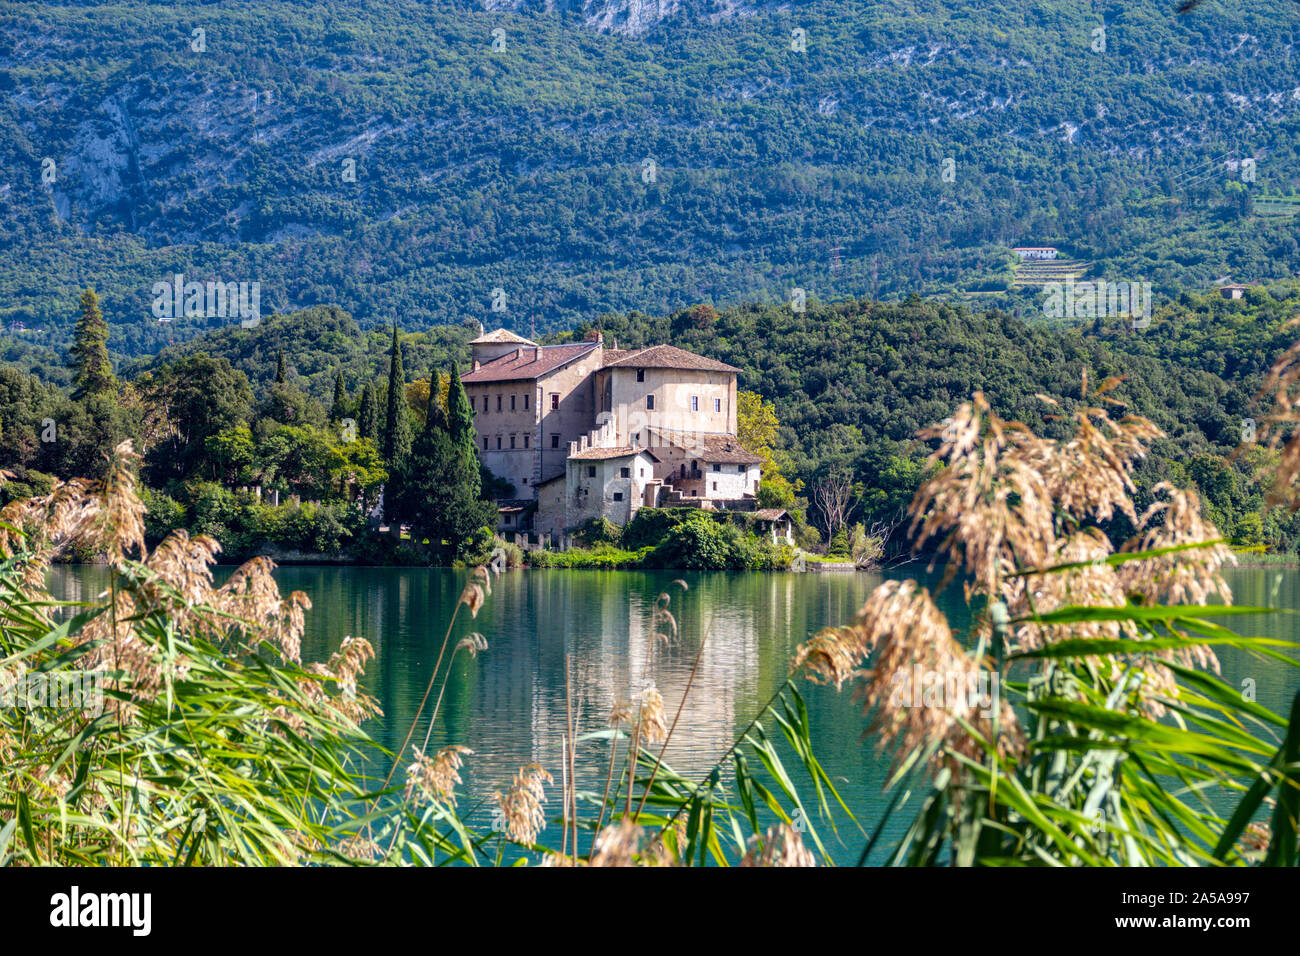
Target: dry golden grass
(782, 846)
(435, 778)
(522, 805)
(1004, 507)
(174, 581)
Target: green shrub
(596, 531)
(702, 544)
(649, 526)
(164, 515)
(601, 557)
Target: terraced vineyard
(1040, 272)
(1277, 205)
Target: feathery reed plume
(650, 716)
(472, 643)
(435, 778)
(1093, 583)
(830, 656)
(617, 844)
(150, 631)
(1256, 837)
(477, 589)
(344, 667)
(121, 515)
(360, 847)
(521, 807)
(620, 713)
(34, 530)
(910, 638)
(1090, 476)
(990, 503)
(782, 846)
(1184, 577)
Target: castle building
(583, 431)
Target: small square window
(649, 401)
(717, 468)
(555, 400)
(555, 441)
(618, 496)
(640, 375)
(740, 468)
(625, 472)
(591, 471)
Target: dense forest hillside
(424, 163)
(852, 382)
(849, 384)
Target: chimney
(476, 365)
(519, 354)
(582, 443)
(537, 354)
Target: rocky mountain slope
(533, 164)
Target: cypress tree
(460, 424)
(336, 409)
(369, 414)
(397, 421)
(435, 418)
(92, 370)
(437, 491)
(279, 367)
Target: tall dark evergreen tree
(92, 370)
(368, 416)
(460, 424)
(397, 418)
(435, 415)
(336, 407)
(279, 367)
(436, 490)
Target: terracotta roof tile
(514, 367)
(604, 454)
(663, 356)
(711, 449)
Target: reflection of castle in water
(537, 617)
